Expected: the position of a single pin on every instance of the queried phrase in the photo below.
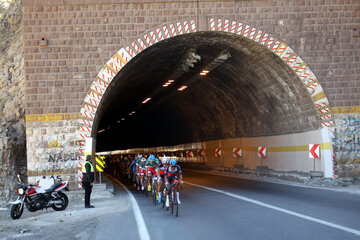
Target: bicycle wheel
(145, 185)
(172, 198)
(163, 196)
(176, 206)
(154, 194)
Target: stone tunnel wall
(347, 142)
(66, 45)
(53, 150)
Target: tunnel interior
(199, 87)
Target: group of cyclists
(163, 173)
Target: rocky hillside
(12, 122)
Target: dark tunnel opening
(247, 92)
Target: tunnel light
(182, 88)
(102, 130)
(204, 72)
(133, 112)
(123, 119)
(169, 82)
(146, 100)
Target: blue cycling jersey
(133, 164)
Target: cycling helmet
(165, 160)
(143, 159)
(172, 162)
(151, 157)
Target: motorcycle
(37, 198)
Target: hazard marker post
(237, 153)
(218, 155)
(201, 153)
(261, 154)
(100, 165)
(217, 152)
(189, 154)
(314, 153)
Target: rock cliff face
(12, 115)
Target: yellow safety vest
(84, 169)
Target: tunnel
(202, 86)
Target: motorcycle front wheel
(64, 202)
(16, 211)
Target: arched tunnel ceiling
(250, 93)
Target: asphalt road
(243, 209)
(213, 207)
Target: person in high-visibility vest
(88, 180)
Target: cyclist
(151, 165)
(160, 170)
(172, 173)
(135, 169)
(141, 172)
(132, 170)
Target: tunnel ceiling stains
(247, 92)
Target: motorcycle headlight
(21, 191)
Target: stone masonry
(66, 44)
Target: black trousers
(88, 189)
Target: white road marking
(142, 229)
(333, 225)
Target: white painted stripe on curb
(350, 230)
(142, 229)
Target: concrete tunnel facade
(258, 91)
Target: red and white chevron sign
(314, 151)
(226, 26)
(189, 154)
(217, 152)
(186, 27)
(179, 28)
(262, 152)
(270, 42)
(239, 29)
(193, 26)
(172, 30)
(212, 24)
(166, 32)
(233, 27)
(237, 152)
(142, 44)
(201, 153)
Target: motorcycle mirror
(18, 176)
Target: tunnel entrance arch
(217, 28)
